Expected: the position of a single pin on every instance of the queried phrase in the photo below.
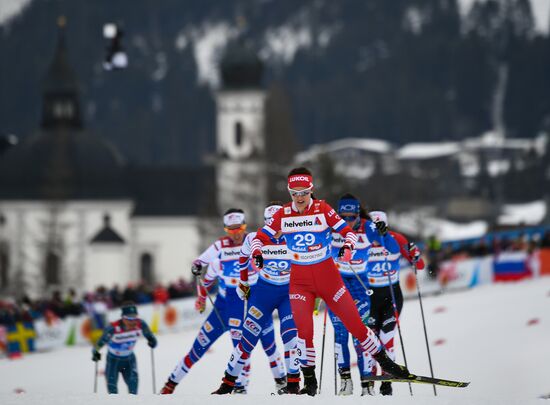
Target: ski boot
(310, 381)
(346, 384)
(292, 386)
(367, 387)
(240, 390)
(280, 383)
(391, 367)
(228, 383)
(168, 388)
(386, 388)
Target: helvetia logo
(295, 224)
(278, 252)
(317, 221)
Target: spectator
(160, 295)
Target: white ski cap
(233, 218)
(271, 210)
(378, 216)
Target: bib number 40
(382, 267)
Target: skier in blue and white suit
(349, 208)
(222, 259)
(269, 293)
(121, 337)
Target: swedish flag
(21, 336)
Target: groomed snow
(495, 336)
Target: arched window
(147, 268)
(52, 268)
(4, 264)
(239, 133)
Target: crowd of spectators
(27, 310)
(492, 244)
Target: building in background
(74, 214)
(241, 173)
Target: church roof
(240, 66)
(173, 191)
(107, 234)
(62, 161)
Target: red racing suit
(313, 272)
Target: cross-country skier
(120, 337)
(222, 257)
(349, 208)
(383, 261)
(269, 293)
(306, 224)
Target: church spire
(61, 107)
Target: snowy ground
(496, 336)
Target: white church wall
(68, 227)
(108, 264)
(173, 242)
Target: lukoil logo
(339, 294)
(298, 178)
(297, 297)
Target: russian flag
(511, 266)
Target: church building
(75, 214)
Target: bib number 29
(303, 240)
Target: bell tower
(240, 137)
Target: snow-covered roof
(540, 9)
(532, 213)
(425, 150)
(421, 221)
(363, 144)
(492, 140)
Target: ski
(421, 379)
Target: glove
(316, 306)
(96, 356)
(382, 227)
(258, 258)
(196, 268)
(243, 290)
(414, 252)
(344, 254)
(200, 304)
(152, 343)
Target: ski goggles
(300, 193)
(349, 218)
(234, 231)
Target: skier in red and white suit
(307, 225)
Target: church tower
(240, 138)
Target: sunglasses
(299, 193)
(129, 318)
(234, 231)
(350, 218)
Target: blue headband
(348, 206)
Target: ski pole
(213, 306)
(323, 350)
(368, 291)
(153, 370)
(424, 323)
(335, 371)
(395, 312)
(95, 377)
(245, 311)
